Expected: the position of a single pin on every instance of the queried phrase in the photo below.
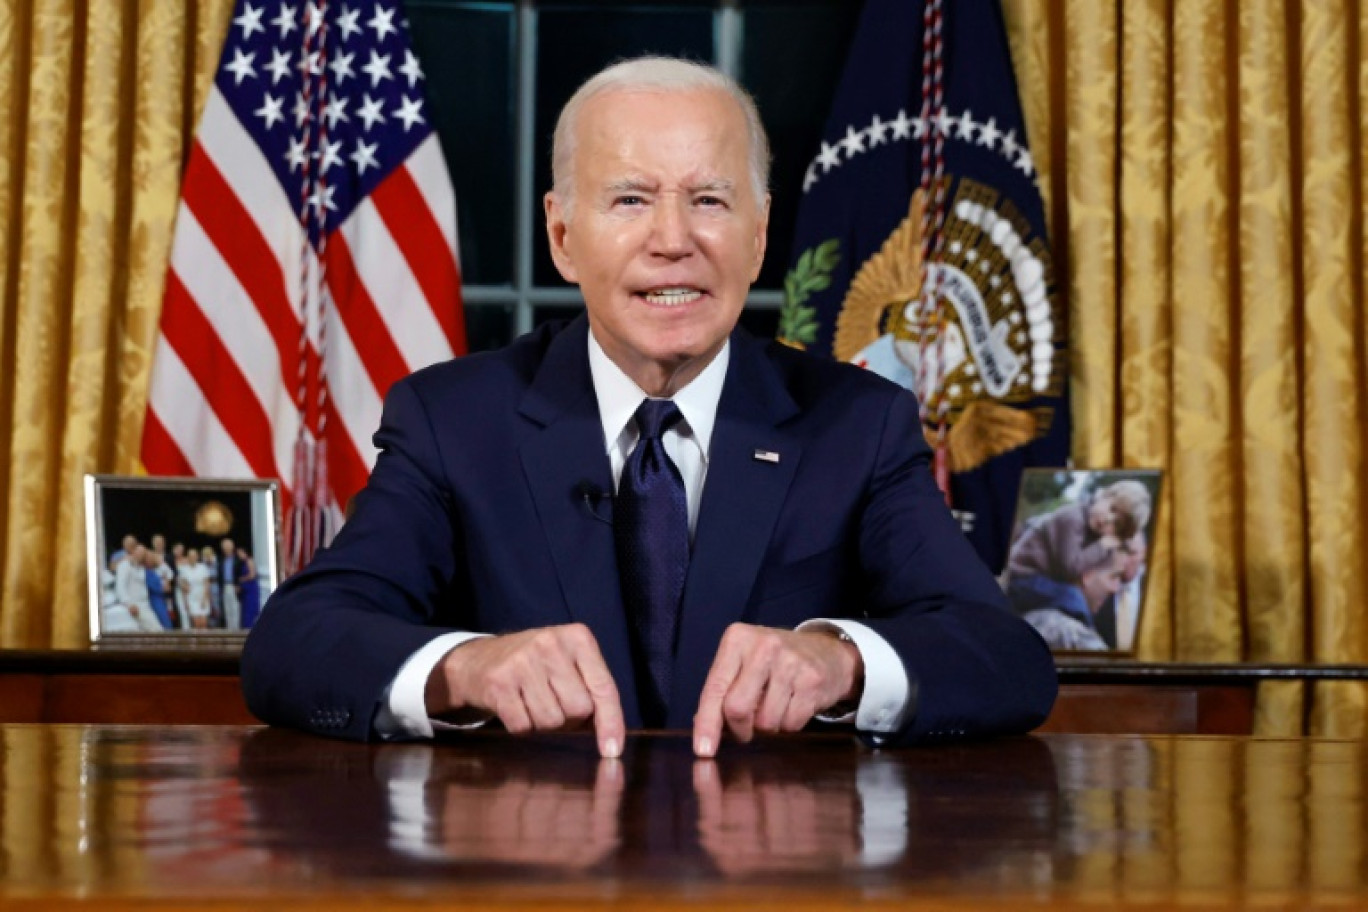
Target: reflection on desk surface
(139, 813)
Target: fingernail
(612, 774)
(611, 748)
(703, 747)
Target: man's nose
(671, 233)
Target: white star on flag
(241, 67)
(270, 110)
(382, 22)
(409, 112)
(342, 67)
(279, 66)
(285, 20)
(411, 68)
(250, 20)
(853, 142)
(876, 130)
(829, 157)
(988, 133)
(372, 111)
(322, 198)
(377, 68)
(331, 159)
(902, 127)
(364, 156)
(967, 125)
(335, 110)
(296, 155)
(347, 22)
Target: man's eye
(711, 201)
(628, 201)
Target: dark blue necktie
(651, 526)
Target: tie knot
(656, 416)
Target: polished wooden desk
(225, 817)
(1097, 696)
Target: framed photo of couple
(179, 562)
(1078, 564)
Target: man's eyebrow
(629, 185)
(715, 185)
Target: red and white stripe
(225, 379)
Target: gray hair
(664, 74)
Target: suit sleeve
(974, 667)
(334, 636)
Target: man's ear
(557, 231)
(761, 237)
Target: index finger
(609, 727)
(708, 720)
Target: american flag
(314, 259)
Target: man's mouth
(671, 297)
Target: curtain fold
(1145, 277)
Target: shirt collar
(618, 395)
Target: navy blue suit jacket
(478, 516)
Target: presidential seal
(990, 344)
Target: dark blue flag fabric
(979, 336)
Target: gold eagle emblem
(985, 348)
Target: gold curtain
(97, 102)
(1203, 169)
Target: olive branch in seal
(812, 273)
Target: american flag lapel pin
(766, 456)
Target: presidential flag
(313, 262)
(924, 160)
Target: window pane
(545, 313)
(761, 322)
(488, 326)
(791, 59)
(466, 51)
(576, 41)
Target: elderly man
(644, 517)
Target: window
(498, 74)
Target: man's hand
(548, 679)
(769, 680)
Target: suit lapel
(742, 497)
(561, 460)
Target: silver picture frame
(1078, 565)
(183, 606)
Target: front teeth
(672, 297)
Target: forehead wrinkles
(610, 130)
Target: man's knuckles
(738, 708)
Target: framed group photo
(1078, 564)
(179, 562)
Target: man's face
(666, 234)
(226, 546)
(1134, 559)
(1100, 582)
(159, 544)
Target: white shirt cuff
(884, 703)
(403, 710)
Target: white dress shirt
(884, 701)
